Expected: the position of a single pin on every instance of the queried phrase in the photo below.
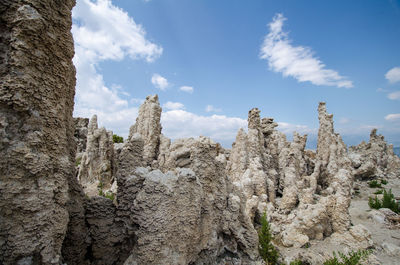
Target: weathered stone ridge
(374, 159)
(97, 164)
(36, 129)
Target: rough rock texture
(374, 159)
(81, 132)
(305, 195)
(37, 81)
(97, 168)
(149, 127)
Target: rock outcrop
(97, 166)
(374, 159)
(37, 152)
(149, 127)
(305, 195)
(81, 132)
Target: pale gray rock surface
(374, 159)
(149, 127)
(80, 134)
(306, 195)
(97, 165)
(37, 150)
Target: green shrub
(78, 161)
(387, 201)
(352, 258)
(374, 184)
(384, 181)
(117, 139)
(378, 192)
(265, 247)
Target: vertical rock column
(37, 86)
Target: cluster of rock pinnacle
(69, 195)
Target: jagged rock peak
(253, 119)
(149, 127)
(97, 165)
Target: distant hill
(396, 151)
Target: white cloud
(102, 32)
(393, 75)
(392, 117)
(211, 108)
(394, 95)
(344, 120)
(173, 105)
(180, 124)
(296, 61)
(159, 82)
(289, 128)
(188, 89)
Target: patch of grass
(352, 258)
(384, 181)
(266, 249)
(78, 161)
(117, 139)
(378, 192)
(110, 195)
(387, 201)
(374, 184)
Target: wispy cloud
(394, 95)
(159, 82)
(393, 75)
(211, 108)
(103, 32)
(296, 61)
(379, 89)
(187, 89)
(393, 117)
(173, 105)
(344, 120)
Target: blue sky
(212, 61)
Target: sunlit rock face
(305, 194)
(374, 159)
(97, 164)
(37, 150)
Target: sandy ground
(381, 233)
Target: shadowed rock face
(36, 128)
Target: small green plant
(384, 181)
(352, 258)
(374, 184)
(78, 161)
(387, 201)
(117, 139)
(378, 192)
(101, 192)
(110, 195)
(265, 247)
